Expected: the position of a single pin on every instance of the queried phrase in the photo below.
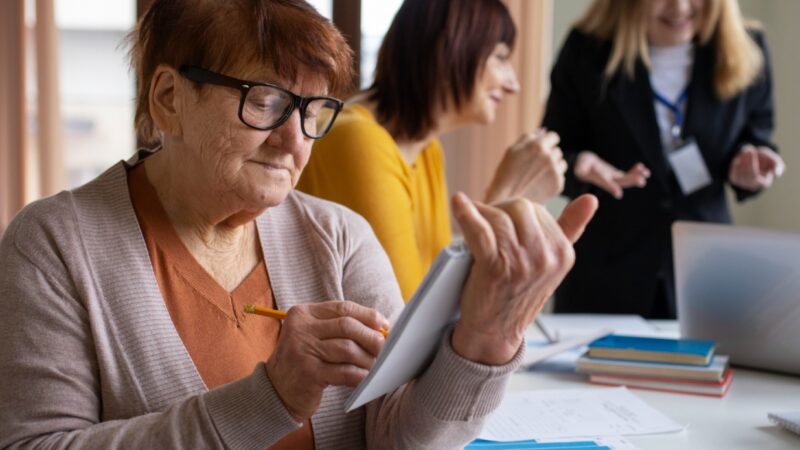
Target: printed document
(567, 326)
(568, 413)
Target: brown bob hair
(225, 35)
(624, 22)
(431, 56)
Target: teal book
(634, 348)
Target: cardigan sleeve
(52, 376)
(446, 406)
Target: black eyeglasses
(265, 106)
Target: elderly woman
(122, 322)
(443, 65)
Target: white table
(736, 421)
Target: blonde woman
(659, 105)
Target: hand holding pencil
(325, 344)
(280, 315)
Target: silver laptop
(740, 287)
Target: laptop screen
(741, 288)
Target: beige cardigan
(89, 357)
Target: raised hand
(755, 168)
(590, 168)
(521, 254)
(534, 165)
(323, 344)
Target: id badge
(689, 167)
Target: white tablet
(415, 338)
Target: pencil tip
(249, 309)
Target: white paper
(615, 443)
(537, 354)
(572, 413)
(569, 326)
(689, 168)
(788, 420)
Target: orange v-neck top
(223, 342)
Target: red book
(679, 385)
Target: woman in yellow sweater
(443, 64)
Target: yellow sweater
(359, 165)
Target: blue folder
(481, 444)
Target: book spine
(674, 391)
(650, 356)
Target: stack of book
(674, 365)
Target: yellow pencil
(280, 315)
(261, 311)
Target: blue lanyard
(676, 110)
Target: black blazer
(624, 259)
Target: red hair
(220, 35)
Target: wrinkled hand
(590, 168)
(755, 168)
(533, 164)
(521, 254)
(323, 344)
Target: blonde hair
(624, 23)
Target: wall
(565, 12)
(779, 207)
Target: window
(95, 88)
(376, 16)
(324, 7)
(95, 85)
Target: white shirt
(670, 71)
